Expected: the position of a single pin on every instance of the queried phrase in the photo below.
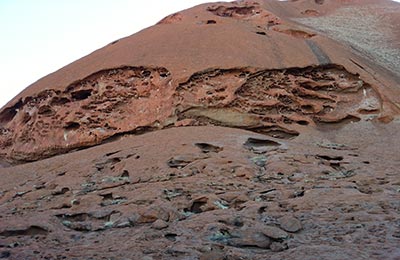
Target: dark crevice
(196, 206)
(330, 158)
(9, 113)
(256, 142)
(30, 231)
(125, 174)
(72, 126)
(81, 94)
(46, 110)
(206, 148)
(171, 236)
(58, 101)
(276, 132)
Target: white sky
(38, 37)
(41, 36)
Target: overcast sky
(41, 36)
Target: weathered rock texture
(244, 130)
(273, 74)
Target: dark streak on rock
(321, 56)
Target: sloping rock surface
(243, 130)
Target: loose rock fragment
(250, 238)
(159, 224)
(290, 224)
(274, 232)
(278, 246)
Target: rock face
(244, 130)
(276, 76)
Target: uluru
(244, 130)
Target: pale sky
(41, 36)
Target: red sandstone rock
(134, 151)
